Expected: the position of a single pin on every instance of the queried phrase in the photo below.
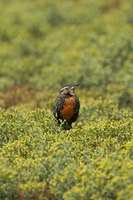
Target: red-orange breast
(68, 110)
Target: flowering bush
(47, 44)
(93, 160)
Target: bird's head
(68, 90)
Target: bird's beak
(73, 87)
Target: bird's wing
(57, 107)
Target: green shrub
(47, 44)
(89, 161)
(89, 40)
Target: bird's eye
(66, 91)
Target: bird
(66, 107)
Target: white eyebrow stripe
(64, 88)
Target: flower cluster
(44, 45)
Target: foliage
(89, 40)
(93, 160)
(47, 44)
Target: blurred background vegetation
(47, 44)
